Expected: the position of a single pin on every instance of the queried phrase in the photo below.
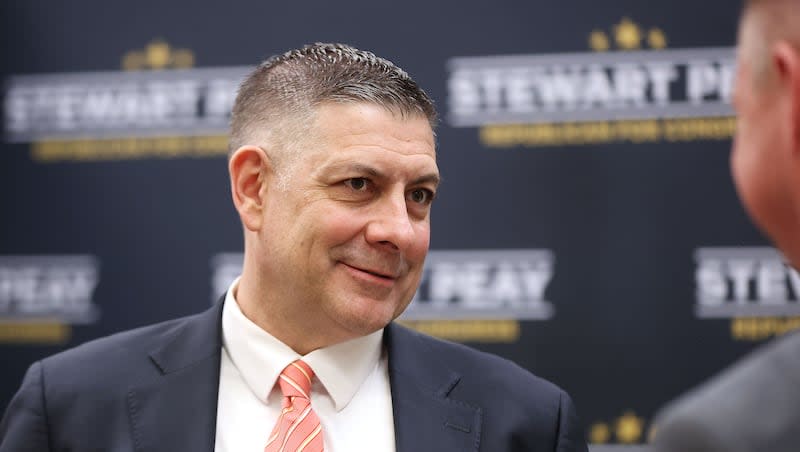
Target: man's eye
(357, 183)
(421, 196)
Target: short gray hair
(275, 104)
(776, 19)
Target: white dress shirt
(350, 393)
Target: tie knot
(295, 380)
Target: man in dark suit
(755, 405)
(333, 171)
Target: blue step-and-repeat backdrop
(587, 227)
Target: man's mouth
(389, 276)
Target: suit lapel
(177, 410)
(425, 416)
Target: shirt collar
(260, 357)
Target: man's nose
(391, 225)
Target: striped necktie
(298, 428)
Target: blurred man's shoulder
(753, 401)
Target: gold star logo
(656, 39)
(629, 428)
(157, 55)
(598, 41)
(627, 34)
(599, 433)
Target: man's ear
(786, 60)
(249, 168)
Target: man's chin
(362, 327)
(366, 315)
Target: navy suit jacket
(155, 389)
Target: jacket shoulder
(720, 414)
(520, 410)
(485, 370)
(116, 358)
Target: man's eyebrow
(365, 169)
(360, 168)
(431, 178)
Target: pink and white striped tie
(298, 428)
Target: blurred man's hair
(776, 20)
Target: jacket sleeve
(24, 425)
(570, 432)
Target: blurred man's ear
(249, 169)
(786, 62)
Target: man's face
(347, 228)
(759, 160)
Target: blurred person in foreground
(333, 172)
(755, 404)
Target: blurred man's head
(333, 170)
(766, 154)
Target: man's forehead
(357, 128)
(362, 117)
(378, 162)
